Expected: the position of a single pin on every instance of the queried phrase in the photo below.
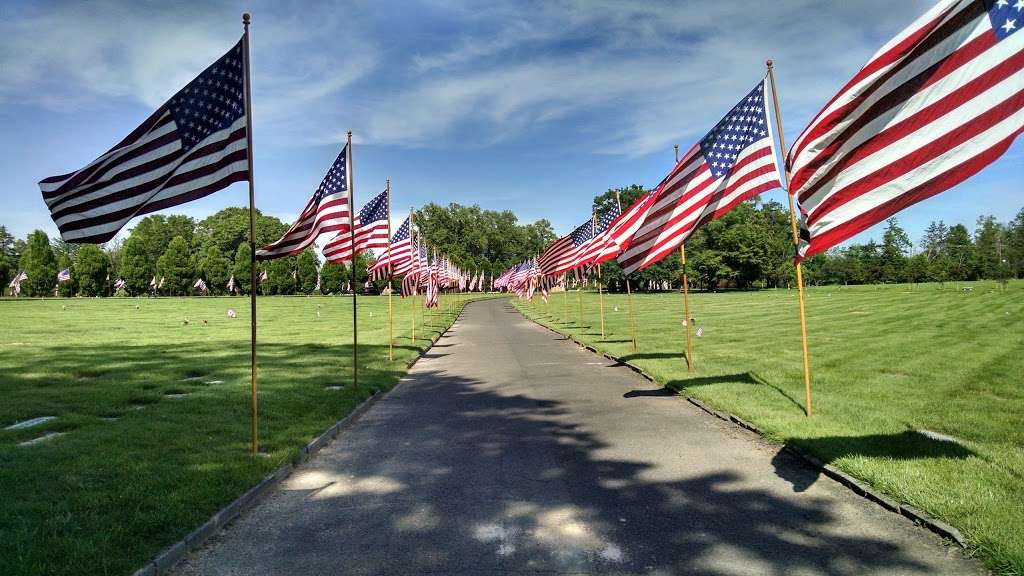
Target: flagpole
(629, 289)
(686, 295)
(600, 293)
(252, 235)
(796, 243)
(391, 317)
(579, 299)
(412, 297)
(352, 239)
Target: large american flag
(192, 146)
(371, 231)
(939, 102)
(327, 211)
(398, 255)
(566, 253)
(731, 163)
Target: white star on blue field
(534, 107)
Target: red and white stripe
(939, 102)
(371, 237)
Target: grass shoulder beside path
(154, 412)
(886, 363)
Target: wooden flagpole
(565, 296)
(600, 293)
(579, 298)
(391, 316)
(352, 239)
(686, 297)
(629, 289)
(412, 297)
(255, 432)
(796, 243)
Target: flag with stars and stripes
(731, 163)
(327, 211)
(192, 146)
(64, 275)
(396, 258)
(371, 231)
(602, 236)
(939, 102)
(565, 253)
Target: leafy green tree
(895, 247)
(90, 270)
(305, 266)
(229, 229)
(242, 267)
(136, 269)
(958, 251)
(39, 262)
(175, 268)
(8, 257)
(280, 277)
(332, 278)
(213, 267)
(68, 287)
(1015, 244)
(991, 248)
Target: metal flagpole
(413, 246)
(686, 296)
(579, 298)
(352, 239)
(600, 293)
(391, 316)
(796, 243)
(252, 233)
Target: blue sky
(529, 106)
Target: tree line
(752, 247)
(179, 250)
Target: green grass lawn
(138, 467)
(885, 361)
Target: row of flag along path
(936, 104)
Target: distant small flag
(15, 284)
(152, 283)
(201, 286)
(160, 284)
(120, 284)
(231, 286)
(64, 275)
(295, 274)
(699, 332)
(317, 287)
(263, 276)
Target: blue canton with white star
(211, 102)
(335, 181)
(403, 232)
(376, 209)
(1007, 16)
(606, 220)
(745, 124)
(583, 233)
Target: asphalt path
(509, 450)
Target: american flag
(231, 285)
(201, 286)
(160, 284)
(371, 231)
(263, 276)
(731, 163)
(327, 211)
(939, 102)
(566, 253)
(623, 228)
(602, 236)
(120, 284)
(398, 254)
(15, 284)
(433, 283)
(64, 275)
(192, 146)
(152, 283)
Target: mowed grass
(138, 465)
(886, 361)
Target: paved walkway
(508, 450)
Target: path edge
(859, 488)
(165, 561)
